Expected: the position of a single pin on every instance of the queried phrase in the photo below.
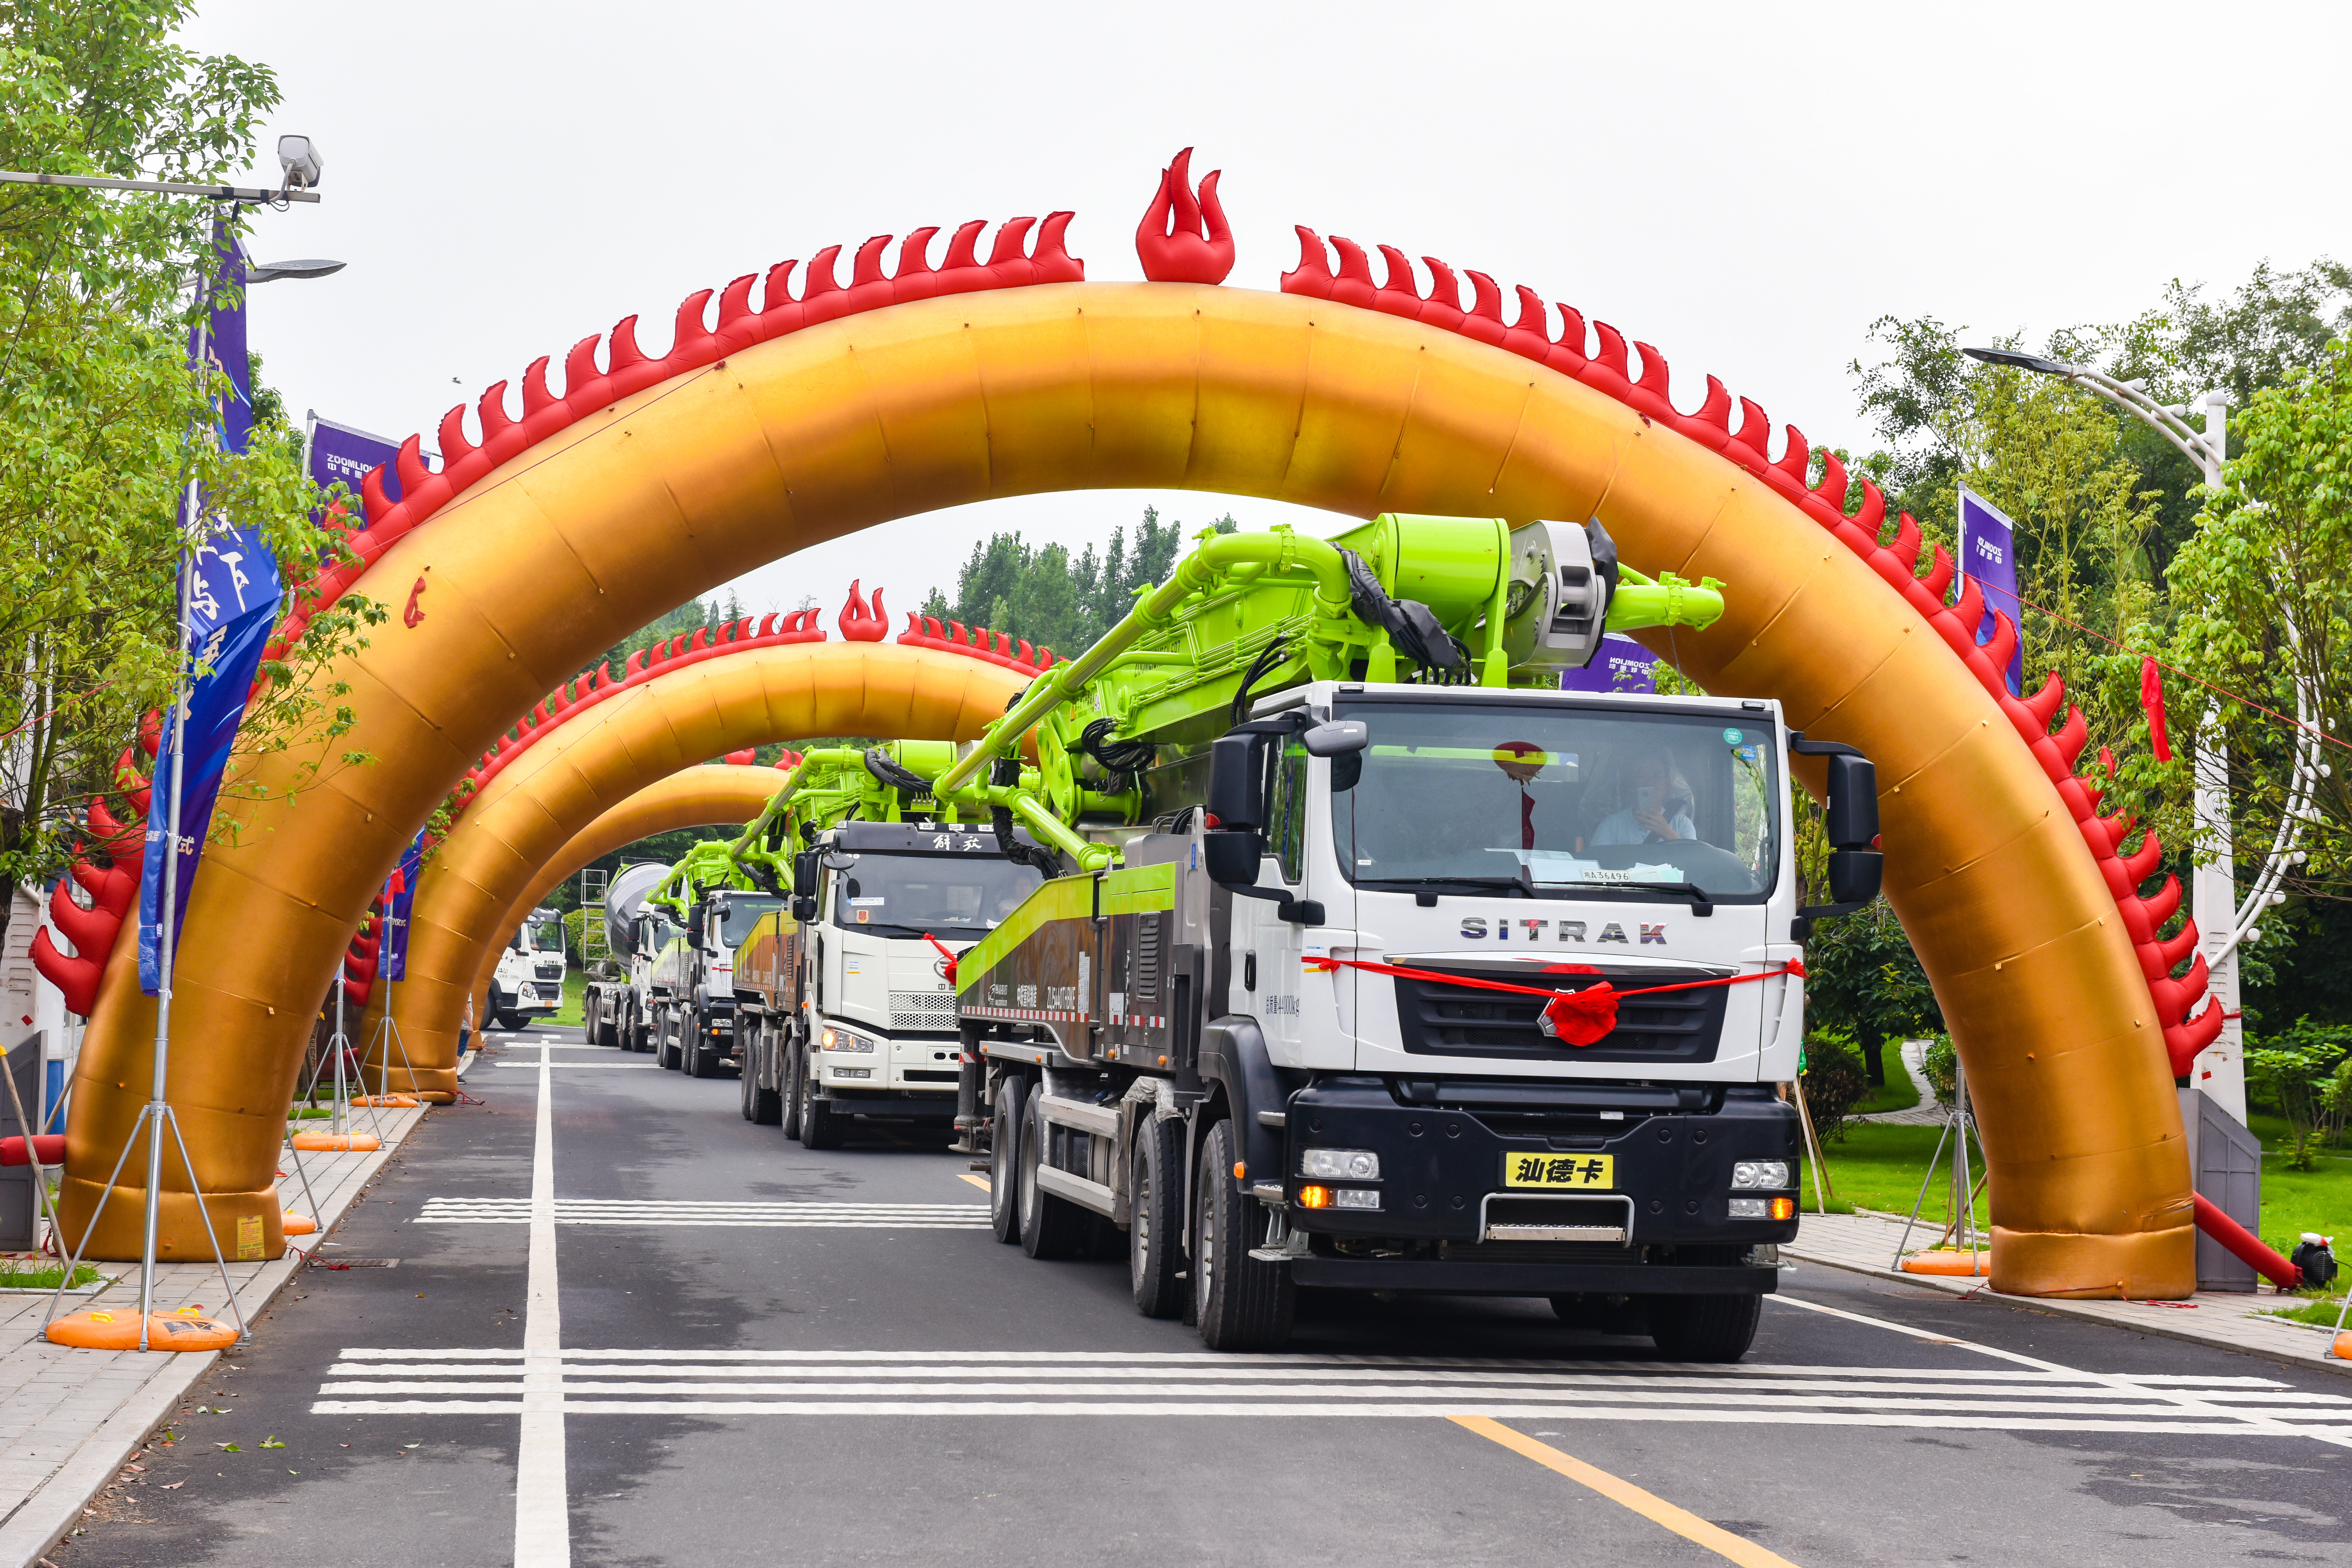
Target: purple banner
(1619, 664)
(1989, 558)
(340, 454)
(400, 898)
(228, 604)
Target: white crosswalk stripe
(1062, 1383)
(693, 1213)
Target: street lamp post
(2223, 919)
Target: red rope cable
(1578, 1017)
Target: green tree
(101, 416)
(1036, 593)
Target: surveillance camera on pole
(300, 161)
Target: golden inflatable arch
(600, 757)
(841, 424)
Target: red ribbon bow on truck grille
(1578, 1018)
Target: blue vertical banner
(1988, 559)
(229, 589)
(400, 897)
(1619, 664)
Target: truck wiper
(1497, 883)
(1700, 902)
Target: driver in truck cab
(1649, 795)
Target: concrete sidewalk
(1865, 1243)
(69, 1419)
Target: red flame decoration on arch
(860, 623)
(1198, 247)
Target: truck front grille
(550, 972)
(923, 1011)
(1438, 1019)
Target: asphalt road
(774, 1355)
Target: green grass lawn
(40, 1274)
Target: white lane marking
(1501, 1412)
(2187, 1403)
(603, 1067)
(542, 1501)
(1227, 1365)
(725, 1383)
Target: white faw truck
(528, 981)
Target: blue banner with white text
(1989, 558)
(230, 590)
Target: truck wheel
(691, 1057)
(764, 1107)
(1705, 1328)
(607, 1034)
(511, 1023)
(665, 1052)
(1155, 1233)
(1051, 1227)
(790, 1073)
(1242, 1304)
(820, 1125)
(1003, 1159)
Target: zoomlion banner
(399, 900)
(228, 604)
(340, 454)
(1619, 664)
(1989, 558)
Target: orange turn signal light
(1315, 1197)
(1241, 1169)
(1784, 1208)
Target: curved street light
(2223, 919)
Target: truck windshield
(739, 913)
(912, 894)
(1554, 799)
(540, 936)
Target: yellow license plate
(1559, 1171)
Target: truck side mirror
(1850, 816)
(694, 924)
(1232, 856)
(804, 907)
(1337, 737)
(1855, 875)
(805, 871)
(1851, 813)
(1236, 785)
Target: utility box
(19, 1202)
(2225, 1159)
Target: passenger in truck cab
(1656, 806)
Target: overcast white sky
(1747, 186)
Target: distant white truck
(528, 981)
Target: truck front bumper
(1489, 1278)
(1443, 1169)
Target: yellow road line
(1657, 1510)
(979, 1182)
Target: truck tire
(762, 1106)
(1705, 1328)
(692, 1059)
(1155, 1233)
(606, 1032)
(1241, 1303)
(820, 1125)
(1051, 1227)
(511, 1023)
(1004, 1157)
(792, 1068)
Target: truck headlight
(1751, 1173)
(528, 993)
(843, 1040)
(1344, 1165)
(1357, 1198)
